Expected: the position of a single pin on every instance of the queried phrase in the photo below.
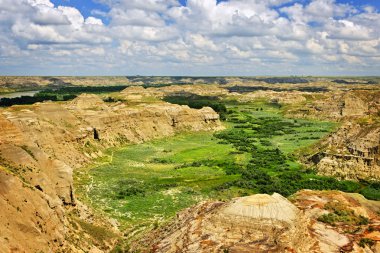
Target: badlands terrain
(185, 164)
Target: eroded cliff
(352, 152)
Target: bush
(129, 187)
(342, 214)
(365, 241)
(198, 102)
(371, 193)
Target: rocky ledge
(264, 223)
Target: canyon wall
(40, 145)
(353, 150)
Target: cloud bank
(203, 37)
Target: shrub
(365, 241)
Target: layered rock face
(40, 145)
(338, 105)
(353, 152)
(263, 223)
(355, 220)
(291, 97)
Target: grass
(292, 135)
(340, 214)
(98, 233)
(306, 134)
(365, 241)
(144, 183)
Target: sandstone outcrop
(357, 220)
(258, 223)
(291, 97)
(40, 145)
(338, 105)
(263, 223)
(30, 220)
(353, 152)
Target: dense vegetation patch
(246, 89)
(342, 81)
(371, 190)
(366, 241)
(28, 100)
(59, 94)
(340, 214)
(197, 102)
(260, 131)
(271, 140)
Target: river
(18, 94)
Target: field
(147, 183)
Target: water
(18, 94)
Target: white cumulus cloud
(235, 37)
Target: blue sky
(374, 3)
(190, 37)
(86, 6)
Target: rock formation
(338, 105)
(291, 97)
(353, 152)
(138, 93)
(30, 220)
(263, 223)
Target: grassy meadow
(147, 183)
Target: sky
(190, 37)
